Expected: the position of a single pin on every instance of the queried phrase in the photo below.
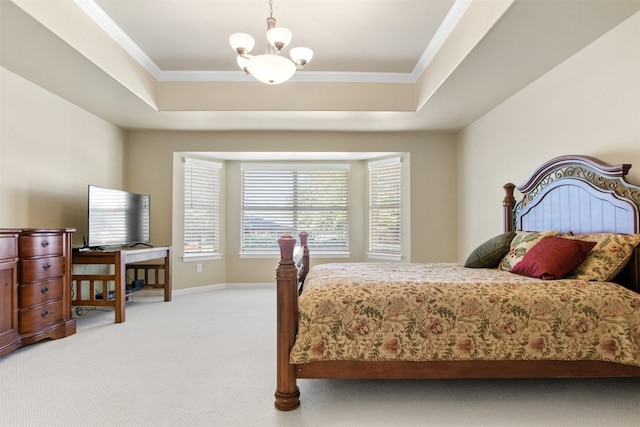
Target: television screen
(117, 218)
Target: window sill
(316, 254)
(388, 257)
(276, 255)
(200, 257)
(273, 255)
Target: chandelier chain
(271, 8)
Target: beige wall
(590, 104)
(50, 150)
(432, 180)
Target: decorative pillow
(553, 258)
(520, 244)
(489, 254)
(610, 254)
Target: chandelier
(270, 67)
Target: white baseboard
(221, 286)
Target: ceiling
(378, 65)
(193, 35)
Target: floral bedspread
(419, 312)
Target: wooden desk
(120, 259)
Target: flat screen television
(117, 218)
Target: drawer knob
(45, 313)
(44, 243)
(44, 289)
(46, 266)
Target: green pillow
(489, 254)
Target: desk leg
(167, 276)
(120, 286)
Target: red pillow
(553, 258)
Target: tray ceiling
(379, 65)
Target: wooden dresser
(41, 304)
(9, 338)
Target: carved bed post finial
(304, 236)
(287, 244)
(507, 207)
(287, 393)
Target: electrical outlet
(198, 268)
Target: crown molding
(300, 76)
(448, 24)
(107, 24)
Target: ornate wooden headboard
(578, 194)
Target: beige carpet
(208, 359)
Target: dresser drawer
(40, 293)
(33, 270)
(41, 245)
(8, 247)
(33, 319)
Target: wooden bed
(574, 194)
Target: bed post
(287, 392)
(304, 236)
(507, 207)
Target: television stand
(141, 244)
(87, 287)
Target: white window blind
(384, 206)
(287, 199)
(201, 207)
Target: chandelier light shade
(301, 55)
(270, 67)
(242, 43)
(279, 37)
